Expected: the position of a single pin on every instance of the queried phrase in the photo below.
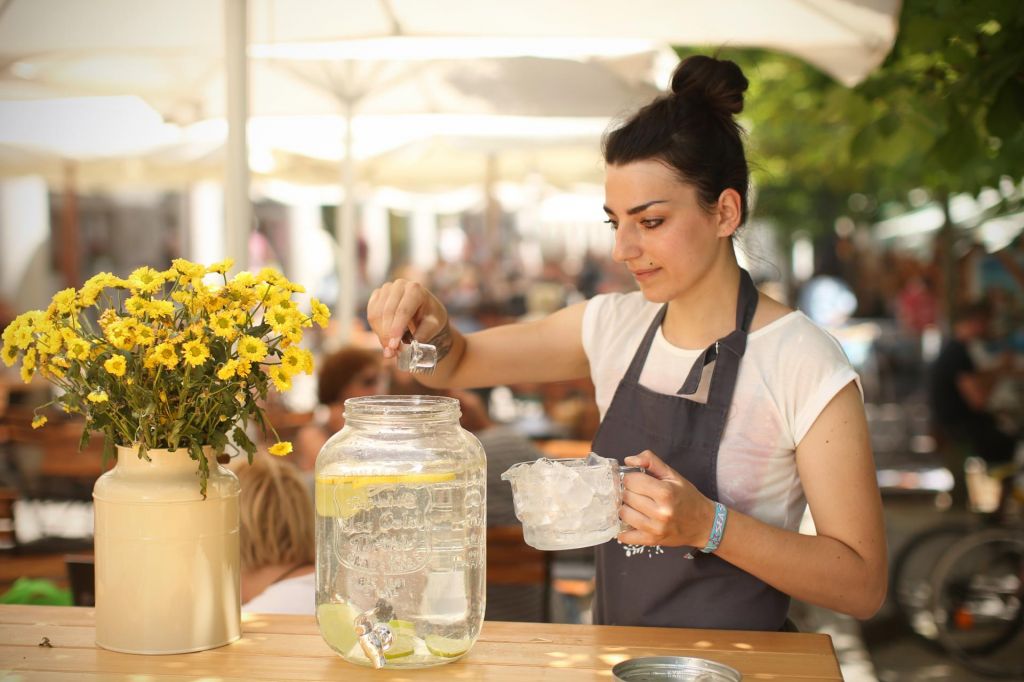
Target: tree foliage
(943, 113)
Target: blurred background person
(276, 538)
(347, 373)
(959, 394)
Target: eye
(612, 223)
(651, 223)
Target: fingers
(399, 306)
(654, 465)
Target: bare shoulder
(768, 310)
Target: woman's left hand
(663, 507)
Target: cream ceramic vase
(167, 561)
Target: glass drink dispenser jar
(401, 533)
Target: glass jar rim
(376, 407)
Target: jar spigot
(375, 636)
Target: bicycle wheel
(976, 602)
(910, 579)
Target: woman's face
(662, 234)
(367, 381)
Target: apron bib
(668, 589)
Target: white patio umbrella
(844, 37)
(353, 90)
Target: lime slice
(448, 647)
(402, 645)
(336, 625)
(345, 495)
(402, 627)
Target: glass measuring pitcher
(401, 533)
(568, 503)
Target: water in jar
(412, 541)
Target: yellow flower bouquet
(166, 359)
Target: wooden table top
(280, 648)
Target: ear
(728, 212)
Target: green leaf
(243, 441)
(1006, 115)
(109, 450)
(204, 467)
(84, 440)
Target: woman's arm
(548, 349)
(843, 567)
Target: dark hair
(978, 309)
(692, 130)
(339, 368)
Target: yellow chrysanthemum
(195, 353)
(144, 336)
(121, 333)
(98, 396)
(222, 267)
(243, 280)
(9, 355)
(136, 306)
(39, 421)
(280, 449)
(145, 280)
(252, 349)
(78, 348)
(270, 276)
(321, 313)
(94, 286)
(222, 324)
(162, 354)
(297, 360)
(227, 370)
(187, 270)
(279, 375)
(116, 365)
(64, 302)
(281, 317)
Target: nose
(627, 246)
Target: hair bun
(719, 82)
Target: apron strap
(735, 342)
(640, 357)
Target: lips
(640, 274)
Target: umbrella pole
(237, 209)
(345, 232)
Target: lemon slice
(336, 626)
(345, 495)
(448, 647)
(403, 644)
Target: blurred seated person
(276, 537)
(959, 393)
(347, 373)
(503, 446)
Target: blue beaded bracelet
(717, 528)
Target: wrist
(720, 515)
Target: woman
(276, 538)
(348, 373)
(739, 408)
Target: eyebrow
(638, 209)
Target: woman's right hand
(398, 306)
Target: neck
(707, 311)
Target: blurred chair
(81, 579)
(518, 577)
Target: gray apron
(668, 589)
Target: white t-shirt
(790, 371)
(292, 595)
